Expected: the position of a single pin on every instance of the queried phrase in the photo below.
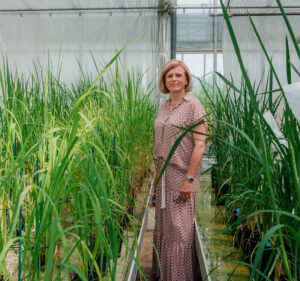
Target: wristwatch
(190, 179)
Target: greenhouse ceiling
(262, 3)
(263, 7)
(42, 5)
(235, 6)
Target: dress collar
(185, 98)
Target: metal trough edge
(200, 254)
(133, 266)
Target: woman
(176, 194)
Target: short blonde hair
(167, 67)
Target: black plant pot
(92, 273)
(241, 233)
(267, 260)
(120, 245)
(124, 224)
(247, 239)
(214, 182)
(249, 242)
(220, 192)
(234, 218)
(42, 257)
(238, 235)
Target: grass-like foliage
(261, 166)
(72, 157)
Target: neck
(175, 97)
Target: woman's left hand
(186, 190)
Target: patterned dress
(174, 229)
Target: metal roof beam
(206, 7)
(8, 11)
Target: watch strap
(190, 179)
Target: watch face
(191, 179)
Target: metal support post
(215, 66)
(173, 33)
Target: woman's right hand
(186, 190)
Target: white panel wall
(70, 38)
(273, 31)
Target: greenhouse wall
(272, 31)
(195, 31)
(72, 38)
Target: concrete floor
(146, 257)
(147, 249)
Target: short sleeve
(158, 128)
(198, 113)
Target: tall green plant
(81, 148)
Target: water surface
(218, 248)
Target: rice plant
(71, 160)
(261, 168)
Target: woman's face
(175, 79)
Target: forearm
(186, 188)
(196, 158)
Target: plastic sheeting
(270, 119)
(292, 93)
(73, 37)
(195, 32)
(273, 31)
(271, 28)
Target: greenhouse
(150, 140)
